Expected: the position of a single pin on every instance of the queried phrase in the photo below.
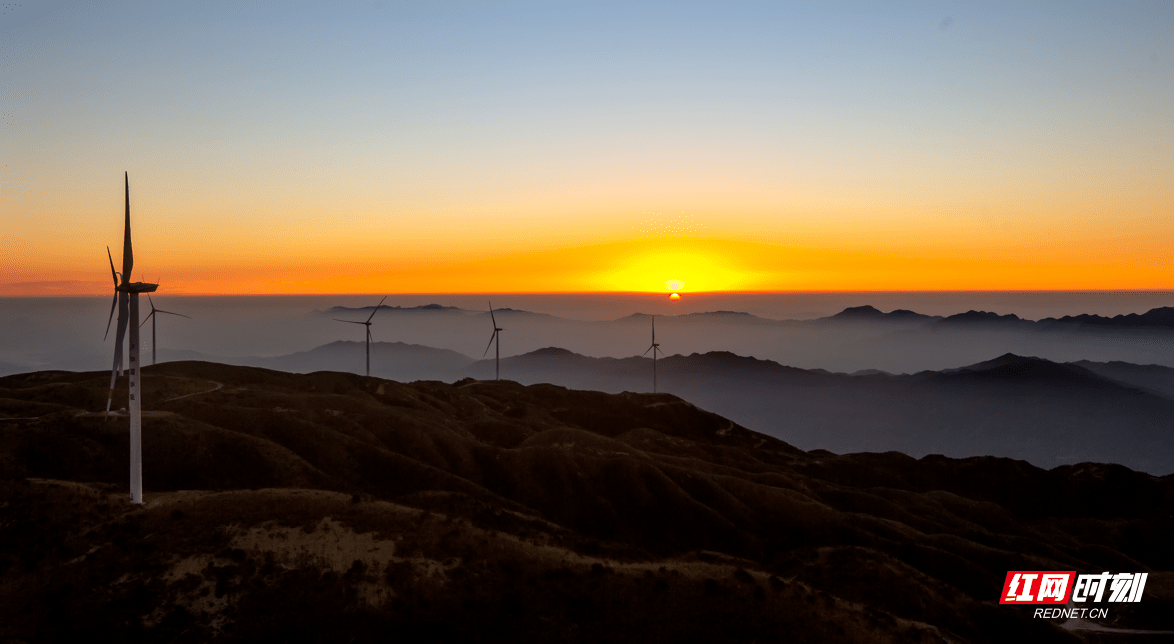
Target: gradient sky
(483, 146)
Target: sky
(560, 146)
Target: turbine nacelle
(655, 349)
(496, 336)
(367, 324)
(155, 310)
(152, 318)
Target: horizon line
(664, 294)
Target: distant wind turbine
(126, 297)
(368, 325)
(496, 336)
(654, 348)
(152, 317)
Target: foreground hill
(334, 507)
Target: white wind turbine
(126, 297)
(654, 348)
(496, 336)
(368, 325)
(152, 317)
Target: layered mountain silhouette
(1044, 412)
(1151, 377)
(424, 308)
(868, 313)
(331, 506)
(1021, 407)
(397, 360)
(857, 339)
(1162, 317)
(1159, 317)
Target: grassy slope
(332, 505)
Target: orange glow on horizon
(706, 265)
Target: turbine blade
(148, 318)
(347, 321)
(123, 321)
(154, 311)
(491, 338)
(123, 317)
(376, 308)
(647, 350)
(152, 302)
(113, 304)
(113, 273)
(128, 253)
(491, 316)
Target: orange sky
(586, 147)
(641, 265)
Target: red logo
(1037, 587)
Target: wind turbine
(152, 317)
(126, 297)
(654, 348)
(497, 353)
(368, 324)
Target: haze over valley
(799, 330)
(1067, 388)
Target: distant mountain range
(1045, 412)
(431, 308)
(425, 308)
(857, 339)
(1099, 389)
(395, 360)
(1040, 411)
(1162, 317)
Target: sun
(674, 296)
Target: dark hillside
(330, 506)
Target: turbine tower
(126, 297)
(497, 353)
(368, 325)
(654, 348)
(152, 317)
